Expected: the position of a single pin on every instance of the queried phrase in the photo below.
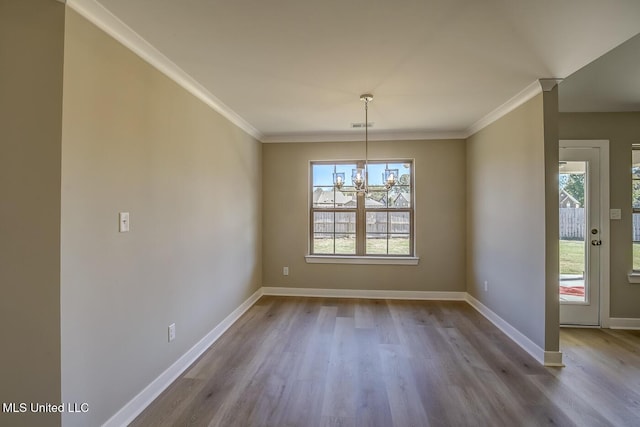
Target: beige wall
(552, 220)
(133, 140)
(31, 48)
(506, 218)
(622, 130)
(440, 217)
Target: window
(635, 206)
(343, 222)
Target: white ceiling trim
(95, 13)
(359, 136)
(520, 98)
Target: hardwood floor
(355, 362)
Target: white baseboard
(354, 293)
(624, 323)
(569, 326)
(547, 358)
(553, 358)
(136, 405)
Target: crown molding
(102, 18)
(549, 84)
(358, 136)
(520, 98)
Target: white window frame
(361, 211)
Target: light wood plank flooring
(355, 362)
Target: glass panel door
(573, 231)
(579, 192)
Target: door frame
(605, 235)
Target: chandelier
(359, 176)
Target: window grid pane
(636, 241)
(345, 244)
(323, 243)
(635, 204)
(324, 222)
(399, 244)
(377, 244)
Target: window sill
(634, 277)
(336, 259)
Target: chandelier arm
(360, 177)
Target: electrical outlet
(172, 332)
(285, 271)
(486, 286)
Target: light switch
(615, 214)
(124, 222)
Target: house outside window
(345, 223)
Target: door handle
(596, 242)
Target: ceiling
(611, 83)
(295, 69)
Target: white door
(580, 235)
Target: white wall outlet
(615, 214)
(285, 271)
(124, 222)
(172, 332)
(486, 286)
